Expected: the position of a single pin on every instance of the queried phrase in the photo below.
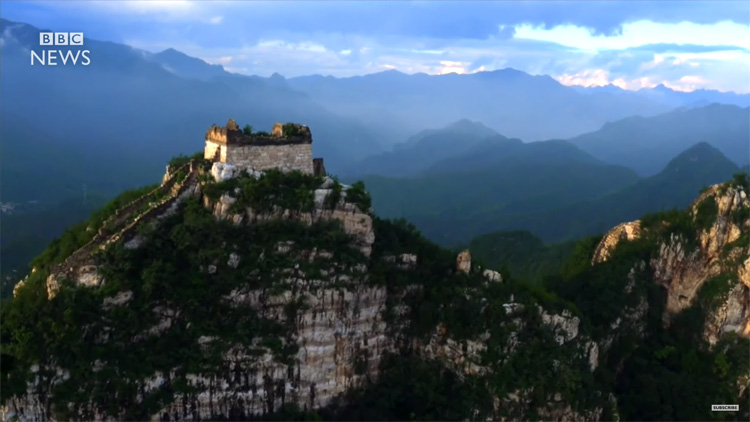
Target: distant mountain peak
(186, 66)
(698, 155)
(467, 126)
(172, 52)
(662, 87)
(464, 123)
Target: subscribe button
(725, 407)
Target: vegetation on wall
(290, 130)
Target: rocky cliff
(232, 293)
(676, 322)
(714, 250)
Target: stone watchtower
(288, 147)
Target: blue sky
(633, 44)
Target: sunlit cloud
(587, 78)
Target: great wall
(123, 224)
(624, 231)
(228, 145)
(288, 147)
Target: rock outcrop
(683, 265)
(463, 262)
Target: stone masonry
(279, 150)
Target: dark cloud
(480, 20)
(446, 20)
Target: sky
(631, 44)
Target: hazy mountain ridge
(671, 97)
(554, 196)
(647, 144)
(512, 102)
(422, 150)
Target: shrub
(358, 196)
(181, 160)
(247, 130)
(706, 213)
(740, 180)
(335, 196)
(290, 130)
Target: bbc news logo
(725, 407)
(55, 57)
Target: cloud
(587, 78)
(687, 48)
(442, 20)
(452, 67)
(632, 44)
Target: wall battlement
(286, 134)
(288, 147)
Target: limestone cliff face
(683, 264)
(340, 331)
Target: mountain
(183, 65)
(674, 187)
(551, 189)
(463, 197)
(646, 144)
(512, 102)
(132, 110)
(280, 296)
(425, 149)
(685, 99)
(670, 97)
(173, 261)
(500, 150)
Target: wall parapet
(287, 134)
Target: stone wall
(319, 168)
(209, 153)
(624, 231)
(265, 157)
(80, 266)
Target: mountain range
(647, 144)
(644, 144)
(552, 189)
(132, 109)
